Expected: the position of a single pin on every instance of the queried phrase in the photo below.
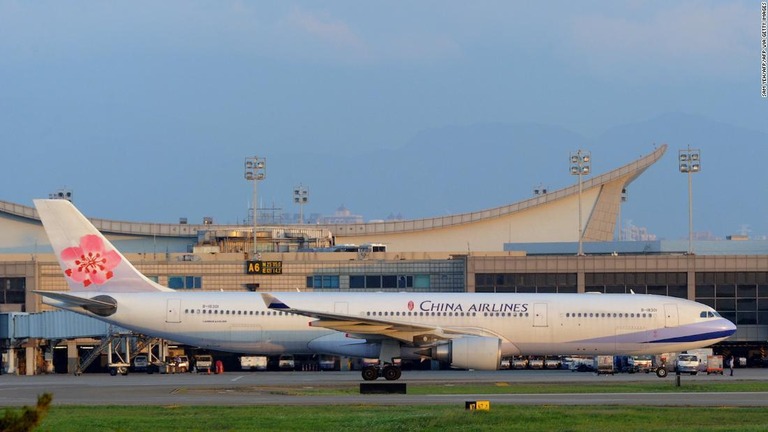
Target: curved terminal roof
(550, 217)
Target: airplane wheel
(113, 371)
(392, 373)
(661, 372)
(370, 373)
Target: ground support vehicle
(643, 364)
(715, 364)
(141, 363)
(604, 365)
(688, 363)
(203, 363)
(258, 363)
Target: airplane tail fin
(89, 261)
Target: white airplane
(467, 330)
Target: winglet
(273, 303)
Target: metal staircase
(127, 346)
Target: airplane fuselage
(525, 324)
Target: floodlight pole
(300, 197)
(255, 170)
(690, 162)
(580, 165)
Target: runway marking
(237, 378)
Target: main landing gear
(390, 372)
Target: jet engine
(470, 352)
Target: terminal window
(388, 281)
(185, 282)
(323, 281)
(741, 297)
(13, 290)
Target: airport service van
(688, 363)
(141, 362)
(258, 363)
(286, 362)
(203, 363)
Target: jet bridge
(22, 354)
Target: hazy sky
(133, 104)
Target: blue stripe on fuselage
(696, 337)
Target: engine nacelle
(470, 352)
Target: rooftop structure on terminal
(669, 247)
(587, 211)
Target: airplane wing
(366, 327)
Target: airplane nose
(724, 327)
(729, 327)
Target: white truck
(258, 363)
(688, 363)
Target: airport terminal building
(417, 255)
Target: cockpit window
(709, 314)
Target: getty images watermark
(764, 49)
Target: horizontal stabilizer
(102, 305)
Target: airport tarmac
(273, 388)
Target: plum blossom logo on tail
(90, 263)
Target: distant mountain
(444, 171)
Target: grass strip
(402, 418)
